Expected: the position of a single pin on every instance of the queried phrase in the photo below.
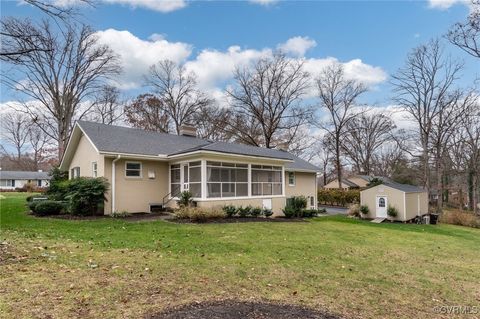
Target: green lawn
(110, 268)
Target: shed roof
(406, 188)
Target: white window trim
(294, 178)
(133, 177)
(204, 182)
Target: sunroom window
(266, 180)
(227, 179)
(175, 180)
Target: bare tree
(177, 90)
(38, 142)
(15, 130)
(147, 112)
(466, 35)
(365, 135)
(72, 68)
(267, 96)
(210, 122)
(107, 107)
(14, 30)
(423, 89)
(338, 95)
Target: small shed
(409, 200)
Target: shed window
(291, 178)
(381, 202)
(75, 172)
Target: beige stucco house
(147, 170)
(409, 200)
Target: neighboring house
(355, 181)
(147, 170)
(409, 200)
(17, 179)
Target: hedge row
(338, 197)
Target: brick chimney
(188, 130)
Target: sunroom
(220, 180)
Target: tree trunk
(471, 189)
(439, 169)
(337, 162)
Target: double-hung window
(75, 172)
(133, 169)
(94, 169)
(7, 183)
(226, 180)
(291, 178)
(266, 180)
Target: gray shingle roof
(404, 187)
(118, 139)
(23, 175)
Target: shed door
(381, 206)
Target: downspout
(113, 182)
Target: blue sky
(205, 35)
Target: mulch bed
(229, 220)
(169, 217)
(228, 309)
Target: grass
(111, 268)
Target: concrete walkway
(333, 210)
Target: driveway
(333, 210)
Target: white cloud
(445, 4)
(156, 5)
(138, 55)
(297, 46)
(354, 69)
(214, 67)
(264, 2)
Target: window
(75, 172)
(381, 202)
(194, 178)
(227, 179)
(291, 178)
(133, 169)
(312, 202)
(39, 182)
(7, 183)
(266, 180)
(175, 180)
(94, 169)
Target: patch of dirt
(228, 309)
(8, 254)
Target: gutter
(113, 182)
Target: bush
(85, 195)
(121, 214)
(267, 212)
(338, 197)
(58, 184)
(354, 210)
(392, 211)
(364, 210)
(256, 211)
(244, 211)
(461, 218)
(47, 207)
(309, 213)
(199, 214)
(230, 210)
(289, 211)
(32, 205)
(185, 199)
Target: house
(352, 182)
(409, 200)
(147, 170)
(9, 180)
